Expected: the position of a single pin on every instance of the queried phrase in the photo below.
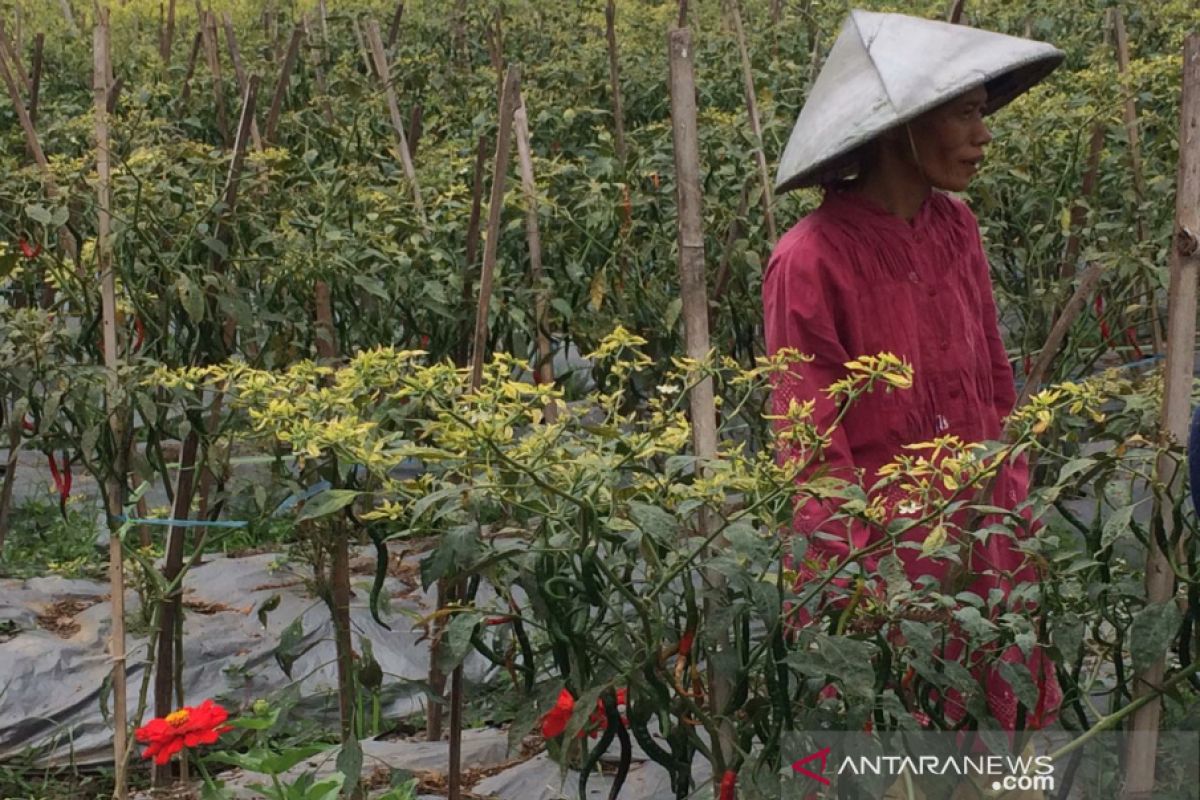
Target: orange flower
(555, 720)
(188, 727)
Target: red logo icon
(821, 755)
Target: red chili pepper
(685, 642)
(1104, 331)
(496, 621)
(1131, 337)
(1028, 365)
(728, 785)
(28, 251)
(29, 425)
(139, 329)
(62, 479)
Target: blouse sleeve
(799, 313)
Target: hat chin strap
(912, 144)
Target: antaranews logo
(1001, 772)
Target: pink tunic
(852, 279)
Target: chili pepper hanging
(62, 479)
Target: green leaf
(327, 502)
(1151, 632)
(349, 763)
(1116, 526)
(655, 522)
(291, 646)
(841, 658)
(38, 213)
(326, 788)
(456, 639)
(190, 297)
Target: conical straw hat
(886, 69)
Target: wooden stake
(955, 11)
(115, 489)
(208, 31)
(614, 81)
(508, 103)
(69, 16)
(186, 91)
(14, 58)
(1176, 412)
(1121, 42)
(415, 116)
(281, 86)
(544, 368)
(314, 52)
(755, 124)
(381, 67)
(363, 48)
(171, 609)
(1058, 331)
(168, 35)
(472, 245)
(394, 27)
(1087, 189)
(692, 288)
(239, 73)
(35, 80)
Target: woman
(890, 263)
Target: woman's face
(949, 140)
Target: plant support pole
(544, 368)
(755, 125)
(1176, 410)
(115, 479)
(375, 42)
(693, 290)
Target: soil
(59, 617)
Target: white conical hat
(886, 69)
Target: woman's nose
(982, 136)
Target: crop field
(385, 409)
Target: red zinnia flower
(555, 720)
(188, 727)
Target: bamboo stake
(10, 473)
(685, 138)
(614, 80)
(65, 237)
(35, 79)
(324, 13)
(381, 66)
(239, 73)
(1176, 410)
(755, 125)
(208, 31)
(472, 244)
(115, 489)
(1121, 41)
(955, 11)
(544, 369)
(362, 47)
(14, 58)
(281, 86)
(186, 91)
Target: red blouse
(852, 279)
